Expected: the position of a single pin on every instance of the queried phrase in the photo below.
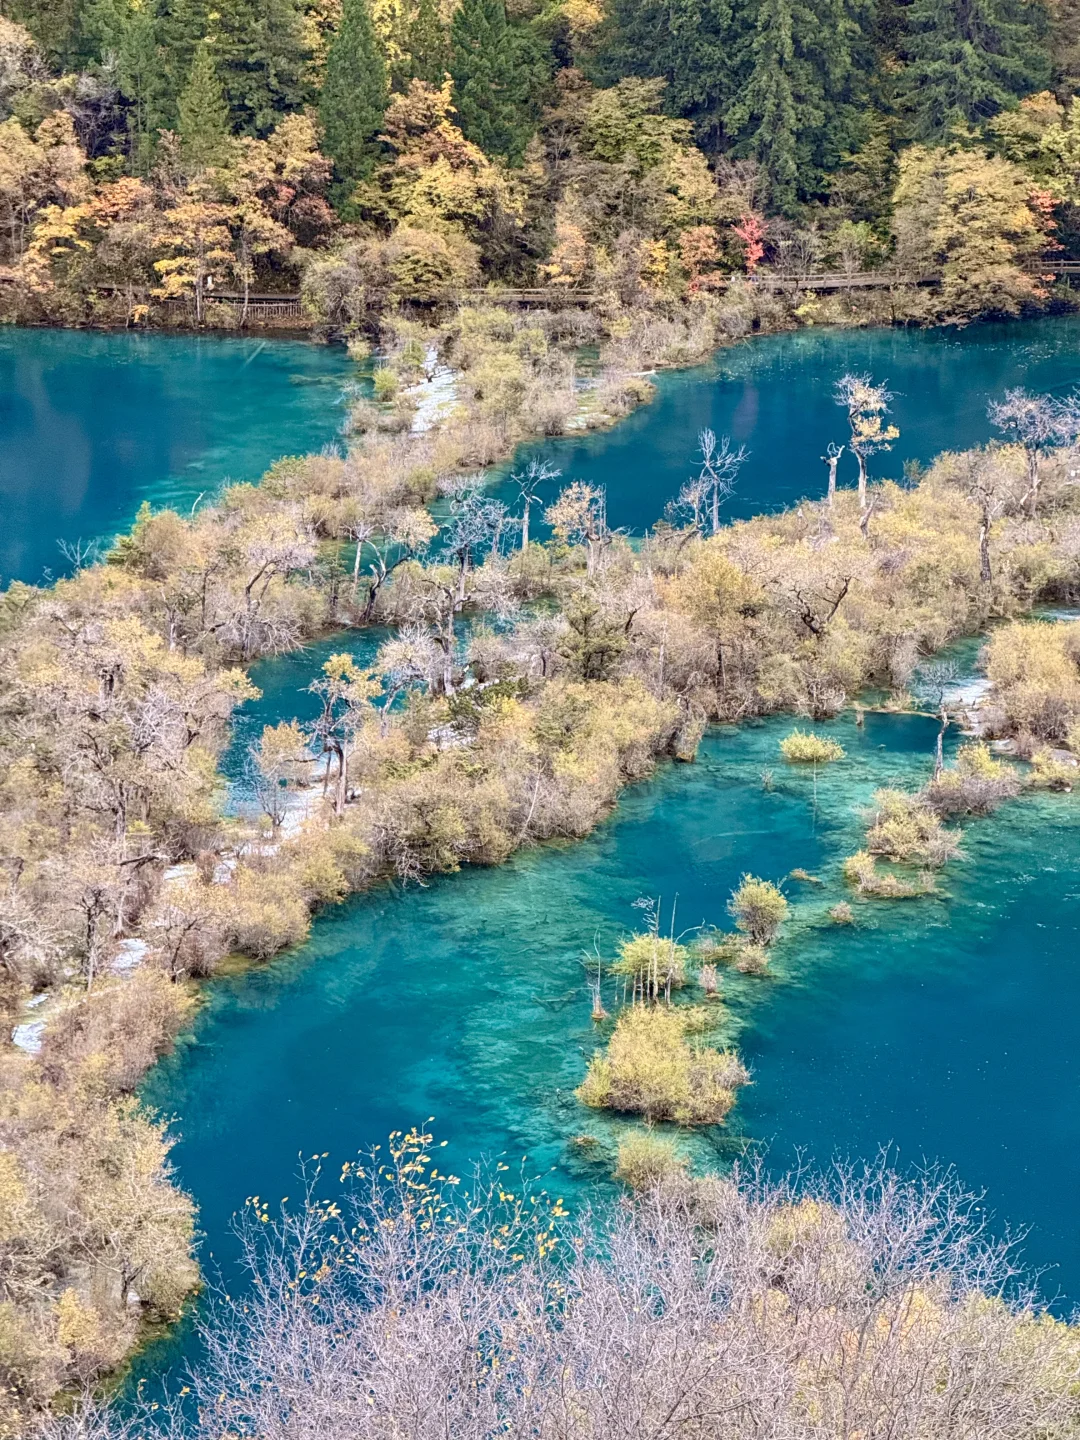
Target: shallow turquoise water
(93, 424)
(946, 1028)
(773, 394)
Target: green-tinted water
(947, 1027)
(93, 424)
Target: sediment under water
(944, 1027)
(92, 424)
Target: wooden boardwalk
(270, 305)
(825, 280)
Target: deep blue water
(946, 1028)
(93, 424)
(773, 394)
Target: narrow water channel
(945, 1027)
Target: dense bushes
(451, 750)
(1034, 668)
(650, 1067)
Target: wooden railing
(283, 306)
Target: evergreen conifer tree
(204, 113)
(429, 50)
(354, 94)
(179, 28)
(495, 68)
(802, 104)
(967, 59)
(262, 53)
(691, 43)
(767, 108)
(128, 38)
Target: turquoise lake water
(948, 1028)
(773, 394)
(93, 424)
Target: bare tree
(407, 662)
(405, 533)
(579, 516)
(866, 404)
(934, 680)
(990, 488)
(863, 1304)
(80, 554)
(832, 459)
(529, 481)
(1039, 423)
(700, 499)
(476, 523)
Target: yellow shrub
(268, 914)
(861, 872)
(1033, 668)
(758, 909)
(645, 1159)
(904, 827)
(808, 748)
(651, 1068)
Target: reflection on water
(774, 395)
(92, 424)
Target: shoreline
(662, 744)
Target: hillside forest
(376, 153)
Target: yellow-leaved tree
(972, 220)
